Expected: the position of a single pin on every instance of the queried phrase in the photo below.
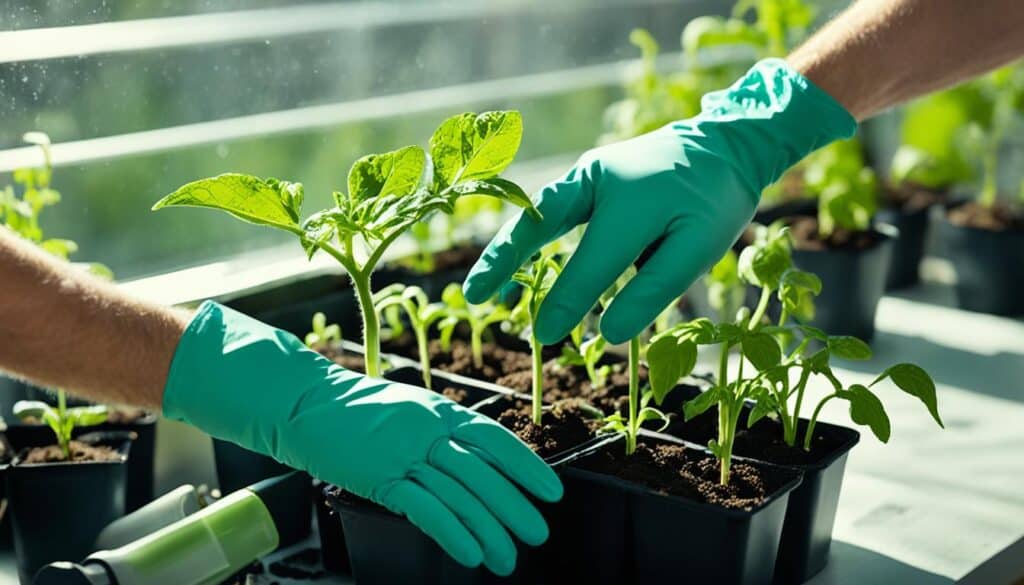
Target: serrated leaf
(849, 348)
(261, 201)
(762, 350)
(397, 173)
(700, 404)
(318, 229)
(469, 146)
(867, 409)
(914, 381)
(502, 189)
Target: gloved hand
(691, 187)
(448, 469)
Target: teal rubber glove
(446, 468)
(690, 187)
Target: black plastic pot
(58, 509)
(140, 464)
(989, 267)
(811, 514)
(333, 550)
(670, 539)
(908, 248)
(853, 281)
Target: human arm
(687, 190)
(879, 53)
(456, 474)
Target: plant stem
(723, 414)
(814, 420)
(634, 393)
(762, 306)
(421, 345)
(538, 377)
(371, 325)
(63, 438)
(476, 333)
(801, 385)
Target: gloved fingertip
(501, 565)
(476, 287)
(468, 554)
(617, 330)
(552, 326)
(537, 534)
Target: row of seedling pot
(635, 499)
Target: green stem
(476, 333)
(814, 420)
(62, 412)
(634, 393)
(371, 325)
(801, 385)
(762, 306)
(538, 377)
(421, 345)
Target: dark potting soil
(764, 441)
(677, 471)
(497, 361)
(806, 236)
(124, 415)
(563, 426)
(910, 198)
(336, 354)
(568, 382)
(1000, 217)
(454, 394)
(79, 452)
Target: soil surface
(563, 426)
(677, 471)
(79, 452)
(763, 441)
(336, 354)
(910, 198)
(1000, 217)
(497, 361)
(806, 236)
(568, 382)
(123, 415)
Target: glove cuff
(776, 104)
(236, 378)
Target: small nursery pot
(811, 513)
(58, 509)
(852, 284)
(670, 539)
(908, 248)
(989, 267)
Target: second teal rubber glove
(691, 187)
(451, 471)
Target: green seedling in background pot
(61, 419)
(767, 381)
(420, 312)
(479, 318)
(21, 213)
(586, 352)
(846, 188)
(536, 279)
(323, 335)
(387, 194)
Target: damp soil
(497, 360)
(998, 218)
(764, 441)
(571, 382)
(563, 426)
(80, 452)
(911, 198)
(349, 361)
(806, 236)
(126, 415)
(675, 470)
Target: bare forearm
(62, 328)
(879, 53)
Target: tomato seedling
(62, 420)
(479, 317)
(420, 312)
(536, 279)
(387, 194)
(765, 386)
(322, 335)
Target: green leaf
(24, 409)
(502, 189)
(396, 173)
(700, 404)
(867, 409)
(87, 416)
(763, 263)
(813, 332)
(452, 296)
(818, 362)
(914, 381)
(469, 146)
(260, 201)
(59, 248)
(648, 413)
(765, 404)
(849, 348)
(668, 360)
(570, 357)
(762, 350)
